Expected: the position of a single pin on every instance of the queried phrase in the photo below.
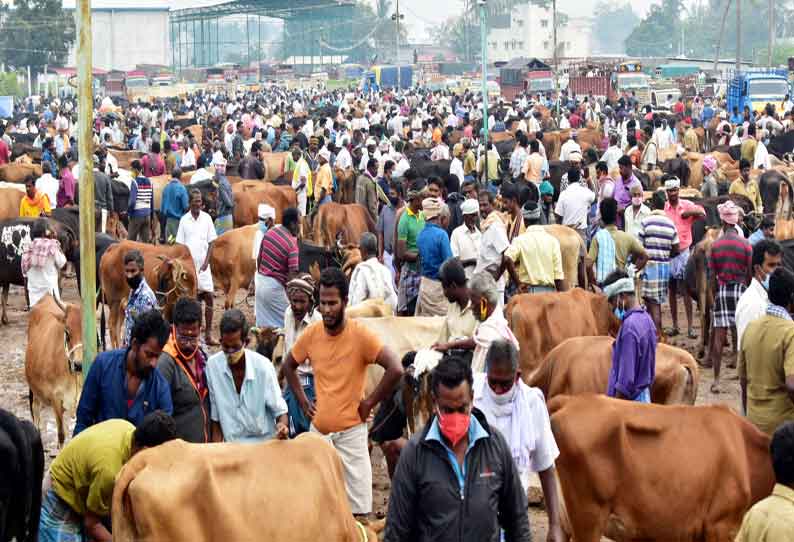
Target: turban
(470, 207)
(431, 207)
(325, 153)
(729, 212)
(302, 283)
(457, 150)
(673, 183)
(575, 156)
(530, 211)
(620, 286)
(370, 142)
(709, 164)
(546, 189)
(265, 211)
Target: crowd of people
(458, 244)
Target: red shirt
(5, 154)
(678, 107)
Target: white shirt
(44, 280)
(611, 157)
(569, 147)
(293, 330)
(456, 168)
(528, 403)
(574, 204)
(493, 244)
(49, 185)
(188, 159)
(401, 167)
(343, 159)
(465, 245)
(196, 235)
(633, 220)
(564, 123)
(761, 157)
(371, 280)
(751, 306)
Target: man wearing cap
(683, 213)
(267, 219)
(537, 255)
(224, 221)
(465, 239)
(569, 147)
(434, 249)
(730, 266)
(324, 188)
(709, 188)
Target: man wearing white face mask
(767, 256)
(519, 413)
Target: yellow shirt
(766, 358)
(538, 256)
(84, 472)
(457, 324)
(691, 141)
(750, 190)
(469, 164)
(324, 180)
(747, 150)
(33, 208)
(771, 519)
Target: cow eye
(184, 275)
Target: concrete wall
(124, 38)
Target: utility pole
(554, 56)
(396, 18)
(85, 145)
(738, 35)
(771, 33)
(484, 54)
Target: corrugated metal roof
(140, 5)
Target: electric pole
(738, 35)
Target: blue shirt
(434, 249)
(708, 114)
(737, 119)
(756, 236)
(248, 416)
(140, 301)
(104, 394)
(46, 156)
(174, 203)
(476, 432)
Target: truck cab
(757, 89)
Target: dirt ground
(14, 390)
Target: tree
(35, 33)
(658, 34)
(620, 19)
(451, 33)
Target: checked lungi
(409, 287)
(655, 280)
(58, 522)
(725, 304)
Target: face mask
(636, 200)
(234, 357)
(454, 426)
(765, 284)
(502, 399)
(134, 282)
(394, 201)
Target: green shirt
(85, 471)
(407, 230)
(625, 245)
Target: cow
(125, 158)
(15, 239)
(344, 223)
(696, 278)
(275, 164)
(10, 197)
(632, 471)
(542, 321)
(17, 173)
(21, 476)
(304, 499)
(573, 255)
(249, 194)
(53, 368)
(426, 168)
(581, 365)
(777, 194)
(169, 271)
(231, 261)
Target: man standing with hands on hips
(341, 350)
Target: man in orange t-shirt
(341, 350)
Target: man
(153, 164)
(324, 188)
(301, 179)
(634, 353)
(493, 243)
(426, 503)
(749, 145)
(730, 267)
(103, 194)
(659, 238)
(277, 263)
(48, 184)
(79, 491)
(537, 254)
(546, 203)
(301, 313)
(465, 239)
(518, 157)
(574, 203)
(183, 365)
(34, 203)
(245, 398)
(141, 298)
(341, 350)
(173, 205)
(197, 232)
(125, 383)
(519, 413)
(224, 221)
(533, 165)
(612, 154)
(683, 213)
(367, 189)
(251, 167)
(457, 332)
(410, 223)
(636, 212)
(433, 246)
(744, 186)
(141, 206)
(770, 520)
(238, 147)
(48, 156)
(385, 226)
(570, 147)
(370, 278)
(767, 256)
(611, 248)
(623, 185)
(766, 358)
(456, 165)
(765, 231)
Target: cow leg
(231, 292)
(35, 410)
(4, 318)
(58, 409)
(114, 323)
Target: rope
(362, 532)
(359, 43)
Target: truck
(387, 77)
(757, 88)
(628, 77)
(671, 71)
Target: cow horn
(59, 303)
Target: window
(544, 23)
(520, 44)
(507, 45)
(545, 44)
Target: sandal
(692, 334)
(672, 332)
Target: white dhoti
(204, 278)
(351, 445)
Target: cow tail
(102, 323)
(30, 402)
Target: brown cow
(697, 285)
(17, 173)
(168, 269)
(345, 223)
(231, 261)
(10, 197)
(53, 366)
(542, 321)
(581, 365)
(249, 194)
(154, 501)
(632, 471)
(573, 254)
(125, 158)
(275, 164)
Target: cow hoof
(5, 321)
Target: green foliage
(9, 85)
(620, 19)
(35, 33)
(658, 34)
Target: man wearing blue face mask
(767, 256)
(634, 351)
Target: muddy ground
(14, 390)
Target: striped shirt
(731, 258)
(141, 197)
(658, 235)
(278, 254)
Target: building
(527, 31)
(126, 33)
